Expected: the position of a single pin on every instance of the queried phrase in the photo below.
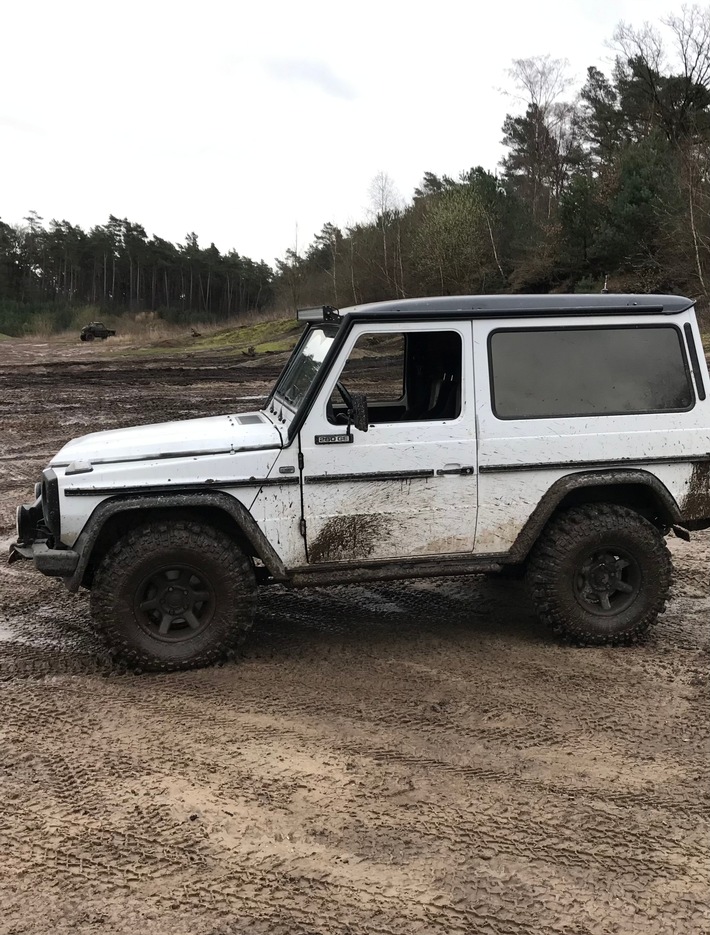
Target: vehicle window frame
(297, 350)
(405, 332)
(364, 334)
(628, 326)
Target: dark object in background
(96, 329)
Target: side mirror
(358, 412)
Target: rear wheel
(600, 573)
(174, 595)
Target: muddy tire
(89, 336)
(600, 573)
(173, 595)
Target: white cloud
(21, 126)
(314, 73)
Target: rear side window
(553, 372)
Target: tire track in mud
(401, 717)
(439, 722)
(576, 836)
(304, 735)
(444, 831)
(137, 861)
(305, 901)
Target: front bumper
(58, 563)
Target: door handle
(465, 471)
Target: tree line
(613, 182)
(117, 268)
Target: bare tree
(547, 128)
(691, 31)
(692, 35)
(384, 196)
(329, 241)
(540, 80)
(351, 232)
(645, 44)
(385, 203)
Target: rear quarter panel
(520, 459)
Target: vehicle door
(408, 485)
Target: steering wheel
(341, 417)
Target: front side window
(304, 365)
(406, 377)
(555, 372)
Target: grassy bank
(250, 340)
(260, 338)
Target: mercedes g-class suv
(564, 435)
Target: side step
(336, 573)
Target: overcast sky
(249, 121)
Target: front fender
(236, 510)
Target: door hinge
(300, 460)
(302, 526)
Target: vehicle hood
(211, 435)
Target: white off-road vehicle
(565, 435)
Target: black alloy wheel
(174, 603)
(607, 581)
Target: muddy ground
(401, 759)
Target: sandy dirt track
(399, 759)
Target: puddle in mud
(24, 636)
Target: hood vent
(249, 420)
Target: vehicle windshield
(305, 364)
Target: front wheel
(600, 573)
(173, 595)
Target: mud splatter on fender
(697, 501)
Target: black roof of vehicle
(506, 306)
